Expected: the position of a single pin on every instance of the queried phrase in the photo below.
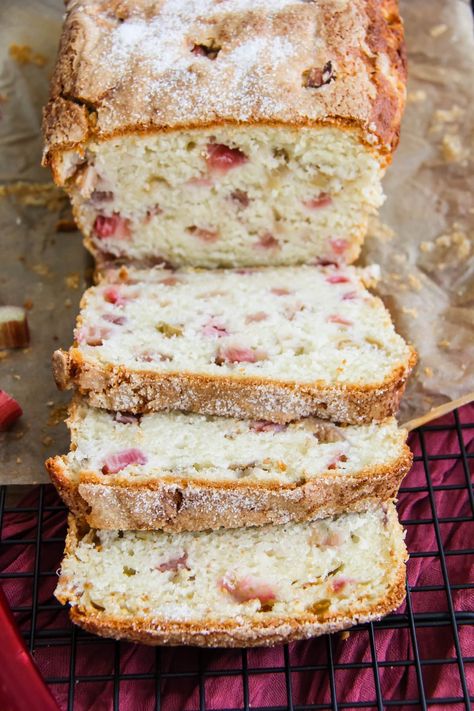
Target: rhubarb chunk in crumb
(339, 246)
(265, 426)
(92, 335)
(126, 418)
(340, 582)
(267, 241)
(10, 411)
(239, 354)
(337, 279)
(248, 588)
(221, 158)
(321, 200)
(203, 234)
(256, 317)
(214, 329)
(116, 462)
(336, 318)
(14, 331)
(113, 296)
(325, 539)
(113, 226)
(174, 564)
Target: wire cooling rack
(418, 657)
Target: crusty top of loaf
(144, 65)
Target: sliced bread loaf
(226, 133)
(241, 587)
(188, 472)
(272, 344)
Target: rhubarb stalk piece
(14, 331)
(10, 411)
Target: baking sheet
(423, 239)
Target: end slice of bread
(178, 471)
(272, 344)
(226, 133)
(244, 587)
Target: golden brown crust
(255, 631)
(116, 388)
(388, 107)
(362, 39)
(177, 504)
(215, 634)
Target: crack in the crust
(84, 103)
(178, 497)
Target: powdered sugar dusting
(173, 63)
(161, 49)
(158, 44)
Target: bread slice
(177, 471)
(241, 587)
(226, 133)
(272, 344)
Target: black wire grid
(415, 658)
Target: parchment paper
(422, 241)
(424, 238)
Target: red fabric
(267, 683)
(18, 669)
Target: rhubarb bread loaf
(240, 587)
(237, 133)
(272, 344)
(177, 471)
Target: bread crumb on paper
(456, 113)
(414, 282)
(24, 54)
(73, 280)
(42, 269)
(45, 195)
(380, 230)
(410, 311)
(400, 257)
(443, 241)
(438, 30)
(452, 149)
(416, 97)
(462, 241)
(457, 242)
(428, 371)
(444, 343)
(443, 116)
(426, 247)
(57, 415)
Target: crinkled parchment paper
(422, 240)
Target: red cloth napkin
(436, 519)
